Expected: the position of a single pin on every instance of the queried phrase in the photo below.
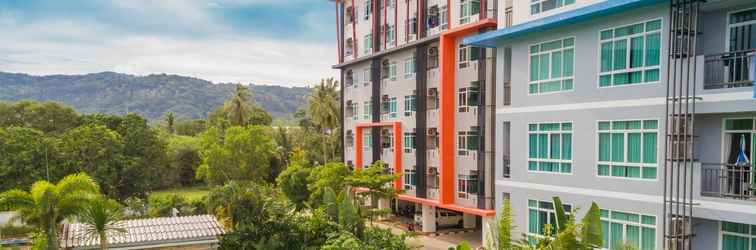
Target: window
(367, 140)
(630, 54)
(349, 139)
(468, 97)
(410, 179)
(409, 68)
(409, 142)
(409, 105)
(366, 77)
(387, 139)
(368, 9)
(467, 185)
(737, 236)
(538, 6)
(620, 228)
(367, 111)
(389, 107)
(433, 17)
(540, 214)
(737, 132)
(368, 42)
(412, 27)
(355, 109)
(392, 71)
(468, 141)
(467, 54)
(550, 147)
(468, 8)
(444, 17)
(432, 178)
(551, 66)
(391, 35)
(627, 149)
(355, 79)
(740, 28)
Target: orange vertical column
(447, 117)
(358, 147)
(398, 149)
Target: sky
(281, 42)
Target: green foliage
(150, 96)
(48, 117)
(324, 112)
(164, 205)
(184, 159)
(96, 150)
(570, 235)
(24, 154)
(503, 228)
(293, 181)
(46, 204)
(101, 217)
(135, 208)
(377, 180)
(239, 153)
(462, 246)
(190, 127)
(331, 175)
(13, 231)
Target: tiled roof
(147, 231)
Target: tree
(293, 180)
(170, 120)
(238, 108)
(570, 235)
(25, 153)
(184, 158)
(239, 153)
(101, 217)
(331, 175)
(146, 154)
(48, 117)
(97, 151)
(46, 204)
(377, 182)
(323, 109)
(503, 228)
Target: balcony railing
(729, 69)
(728, 181)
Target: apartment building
(645, 107)
(414, 98)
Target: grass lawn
(188, 193)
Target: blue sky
(284, 42)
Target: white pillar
(487, 231)
(468, 221)
(429, 219)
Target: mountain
(150, 96)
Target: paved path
(442, 242)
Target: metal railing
(507, 98)
(729, 69)
(728, 181)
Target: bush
(11, 231)
(163, 205)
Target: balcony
(729, 69)
(728, 181)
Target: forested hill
(150, 96)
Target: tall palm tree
(46, 204)
(239, 107)
(323, 108)
(101, 216)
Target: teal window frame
(410, 105)
(618, 228)
(368, 44)
(409, 67)
(468, 141)
(550, 147)
(627, 155)
(410, 179)
(736, 236)
(367, 141)
(468, 8)
(410, 141)
(392, 108)
(539, 6)
(391, 36)
(366, 77)
(541, 213)
(467, 185)
(367, 111)
(625, 57)
(545, 76)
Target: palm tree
(101, 217)
(239, 107)
(45, 205)
(323, 108)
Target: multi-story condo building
(414, 98)
(645, 107)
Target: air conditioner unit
(432, 171)
(432, 91)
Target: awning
(605, 8)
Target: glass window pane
(555, 146)
(569, 61)
(534, 68)
(534, 49)
(636, 77)
(567, 146)
(533, 221)
(551, 46)
(532, 165)
(604, 147)
(636, 52)
(569, 42)
(603, 125)
(550, 86)
(607, 34)
(567, 84)
(619, 171)
(605, 80)
(633, 172)
(649, 148)
(620, 54)
(605, 234)
(651, 75)
(634, 147)
(617, 232)
(533, 88)
(633, 236)
(649, 239)
(621, 79)
(566, 168)
(653, 25)
(544, 67)
(606, 56)
(556, 64)
(603, 170)
(618, 147)
(648, 220)
(543, 146)
(653, 48)
(732, 242)
(649, 173)
(650, 124)
(532, 127)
